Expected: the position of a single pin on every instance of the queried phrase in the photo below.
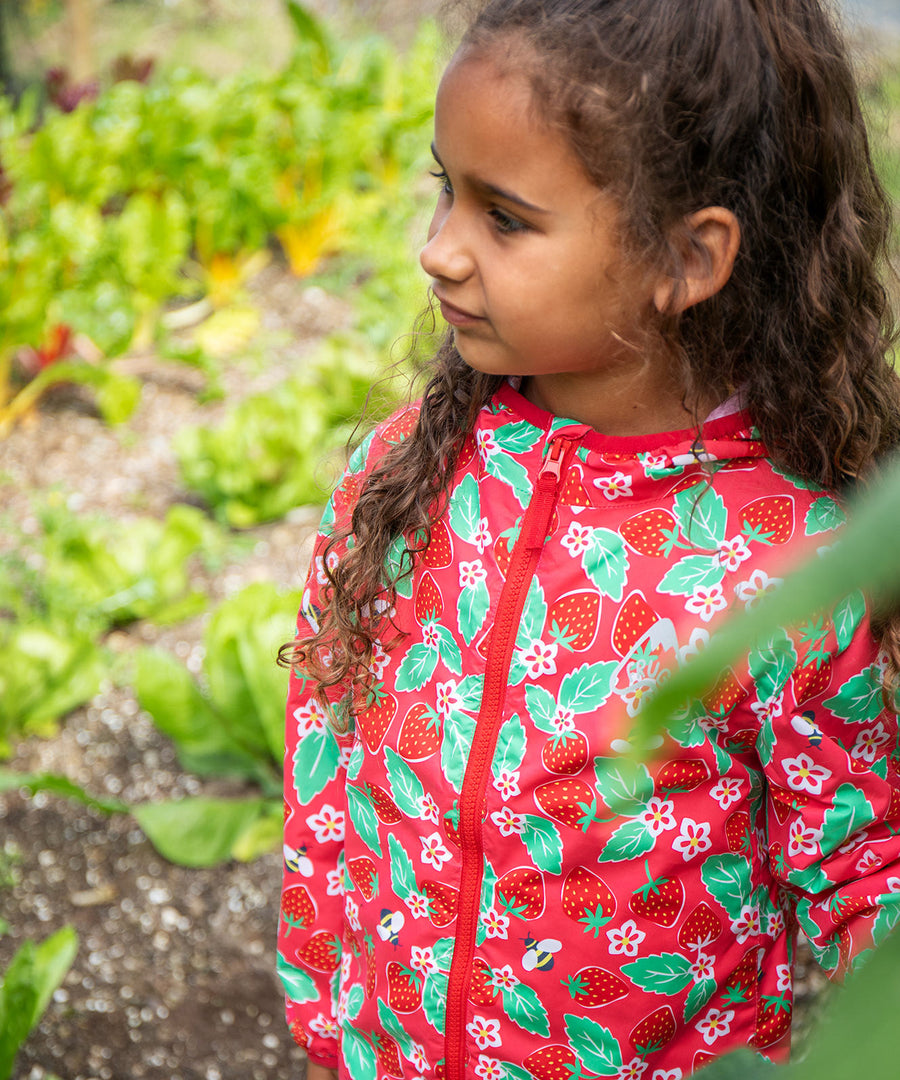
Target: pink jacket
(476, 884)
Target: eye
(444, 180)
(505, 223)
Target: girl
(655, 245)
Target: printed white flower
(867, 861)
(433, 850)
(428, 808)
(495, 923)
(578, 539)
(351, 910)
(310, 717)
(705, 602)
(755, 588)
(508, 823)
(447, 697)
(489, 1068)
(634, 694)
(470, 573)
(563, 720)
(485, 1032)
(733, 552)
(893, 884)
(507, 783)
(422, 959)
(634, 1070)
(869, 742)
(785, 978)
(418, 904)
(703, 967)
(803, 839)
(430, 636)
(617, 486)
(540, 658)
(335, 883)
(658, 815)
(697, 642)
(855, 841)
(327, 825)
(693, 839)
(416, 1055)
(486, 443)
(715, 1024)
(331, 562)
(769, 709)
(746, 924)
(503, 978)
(652, 463)
(727, 791)
(380, 660)
(483, 538)
(625, 938)
(667, 1074)
(803, 774)
(324, 1025)
(775, 924)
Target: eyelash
(504, 223)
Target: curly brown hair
(747, 104)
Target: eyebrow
(498, 192)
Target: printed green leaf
(595, 1045)
(629, 841)
(472, 606)
(299, 985)
(488, 881)
(605, 561)
(514, 1072)
(701, 513)
(465, 509)
(365, 820)
(397, 564)
(518, 437)
(449, 650)
(316, 761)
(690, 573)
(359, 1056)
(699, 996)
(727, 879)
(624, 785)
(534, 615)
(355, 998)
(510, 747)
(765, 741)
(469, 691)
(771, 665)
(849, 812)
(442, 950)
(848, 614)
(859, 699)
(887, 918)
(434, 1000)
(403, 875)
(391, 1024)
(665, 973)
(416, 667)
(541, 707)
(406, 787)
(541, 838)
(522, 1005)
(512, 473)
(823, 516)
(587, 687)
(459, 730)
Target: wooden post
(79, 14)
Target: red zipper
(525, 556)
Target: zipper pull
(543, 501)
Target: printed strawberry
(773, 1020)
(520, 893)
(587, 900)
(681, 775)
(401, 426)
(481, 991)
(387, 1053)
(451, 823)
(443, 901)
(652, 532)
(371, 967)
(429, 604)
(769, 520)
(660, 900)
(298, 1034)
(592, 987)
(634, 619)
(297, 908)
(321, 953)
(363, 875)
(843, 908)
(555, 1062)
(653, 1032)
(573, 492)
(483, 644)
(700, 928)
(385, 807)
(781, 803)
(346, 496)
(439, 552)
(570, 801)
(566, 753)
(376, 719)
(702, 1058)
(740, 986)
(573, 619)
(467, 452)
(420, 735)
(404, 988)
(724, 695)
(737, 832)
(810, 681)
(742, 742)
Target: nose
(447, 254)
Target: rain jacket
(478, 883)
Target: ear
(707, 242)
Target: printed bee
(390, 925)
(538, 954)
(297, 861)
(805, 724)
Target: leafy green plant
(26, 987)
(264, 458)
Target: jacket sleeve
(830, 752)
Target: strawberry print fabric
(476, 882)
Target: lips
(457, 316)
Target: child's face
(524, 248)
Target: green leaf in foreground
(202, 831)
(10, 780)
